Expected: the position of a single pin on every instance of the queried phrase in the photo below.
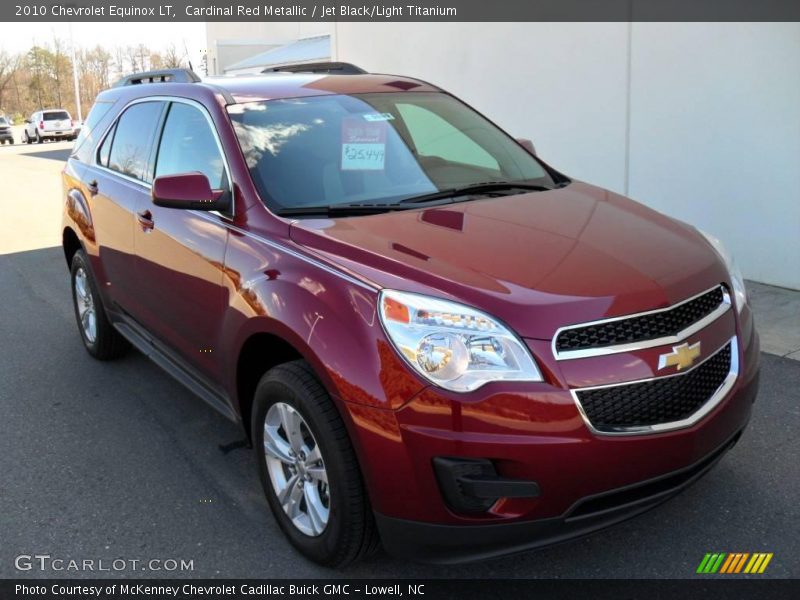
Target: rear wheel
(39, 138)
(98, 334)
(308, 468)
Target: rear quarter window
(91, 130)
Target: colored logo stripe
(734, 562)
(711, 563)
(759, 562)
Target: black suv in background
(5, 131)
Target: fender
(328, 318)
(77, 210)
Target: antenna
(186, 54)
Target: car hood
(537, 261)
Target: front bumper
(57, 134)
(434, 543)
(535, 433)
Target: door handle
(92, 187)
(145, 219)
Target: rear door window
(133, 140)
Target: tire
(39, 138)
(99, 337)
(25, 137)
(348, 534)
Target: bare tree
(119, 61)
(9, 63)
(94, 68)
(60, 68)
(171, 58)
(41, 77)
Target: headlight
(451, 345)
(739, 292)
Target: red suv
(431, 337)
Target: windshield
(3, 121)
(378, 148)
(60, 115)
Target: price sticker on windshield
(363, 145)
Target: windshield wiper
(486, 187)
(371, 208)
(338, 210)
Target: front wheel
(99, 337)
(309, 469)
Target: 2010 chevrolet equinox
(431, 337)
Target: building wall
(231, 52)
(698, 120)
(264, 34)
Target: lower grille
(648, 491)
(655, 404)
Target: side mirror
(28, 121)
(527, 144)
(189, 191)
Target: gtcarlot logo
(733, 563)
(47, 562)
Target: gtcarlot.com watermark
(58, 564)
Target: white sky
(18, 37)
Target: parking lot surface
(118, 461)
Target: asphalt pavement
(116, 461)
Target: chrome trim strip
(706, 408)
(634, 346)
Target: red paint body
(536, 261)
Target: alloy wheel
(85, 303)
(296, 469)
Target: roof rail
(330, 68)
(159, 76)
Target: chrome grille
(662, 403)
(648, 329)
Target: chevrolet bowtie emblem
(681, 357)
